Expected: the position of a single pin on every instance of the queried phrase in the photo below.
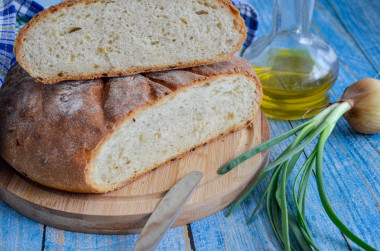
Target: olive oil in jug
(296, 68)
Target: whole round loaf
(97, 135)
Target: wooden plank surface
(175, 239)
(361, 20)
(351, 162)
(259, 235)
(361, 214)
(18, 232)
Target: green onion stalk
(360, 105)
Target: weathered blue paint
(361, 20)
(351, 162)
(18, 232)
(47, 3)
(175, 239)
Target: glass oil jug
(295, 67)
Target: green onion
(353, 107)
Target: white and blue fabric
(15, 13)
(249, 14)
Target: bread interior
(173, 126)
(124, 36)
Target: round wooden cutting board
(127, 209)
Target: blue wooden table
(351, 163)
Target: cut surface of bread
(88, 39)
(173, 126)
(95, 136)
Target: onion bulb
(364, 98)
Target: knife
(166, 212)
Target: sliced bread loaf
(86, 39)
(95, 136)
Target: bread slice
(86, 39)
(95, 136)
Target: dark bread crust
(67, 4)
(50, 133)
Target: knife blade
(166, 212)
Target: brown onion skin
(364, 98)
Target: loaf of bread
(97, 135)
(87, 39)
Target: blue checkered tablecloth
(15, 13)
(251, 21)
